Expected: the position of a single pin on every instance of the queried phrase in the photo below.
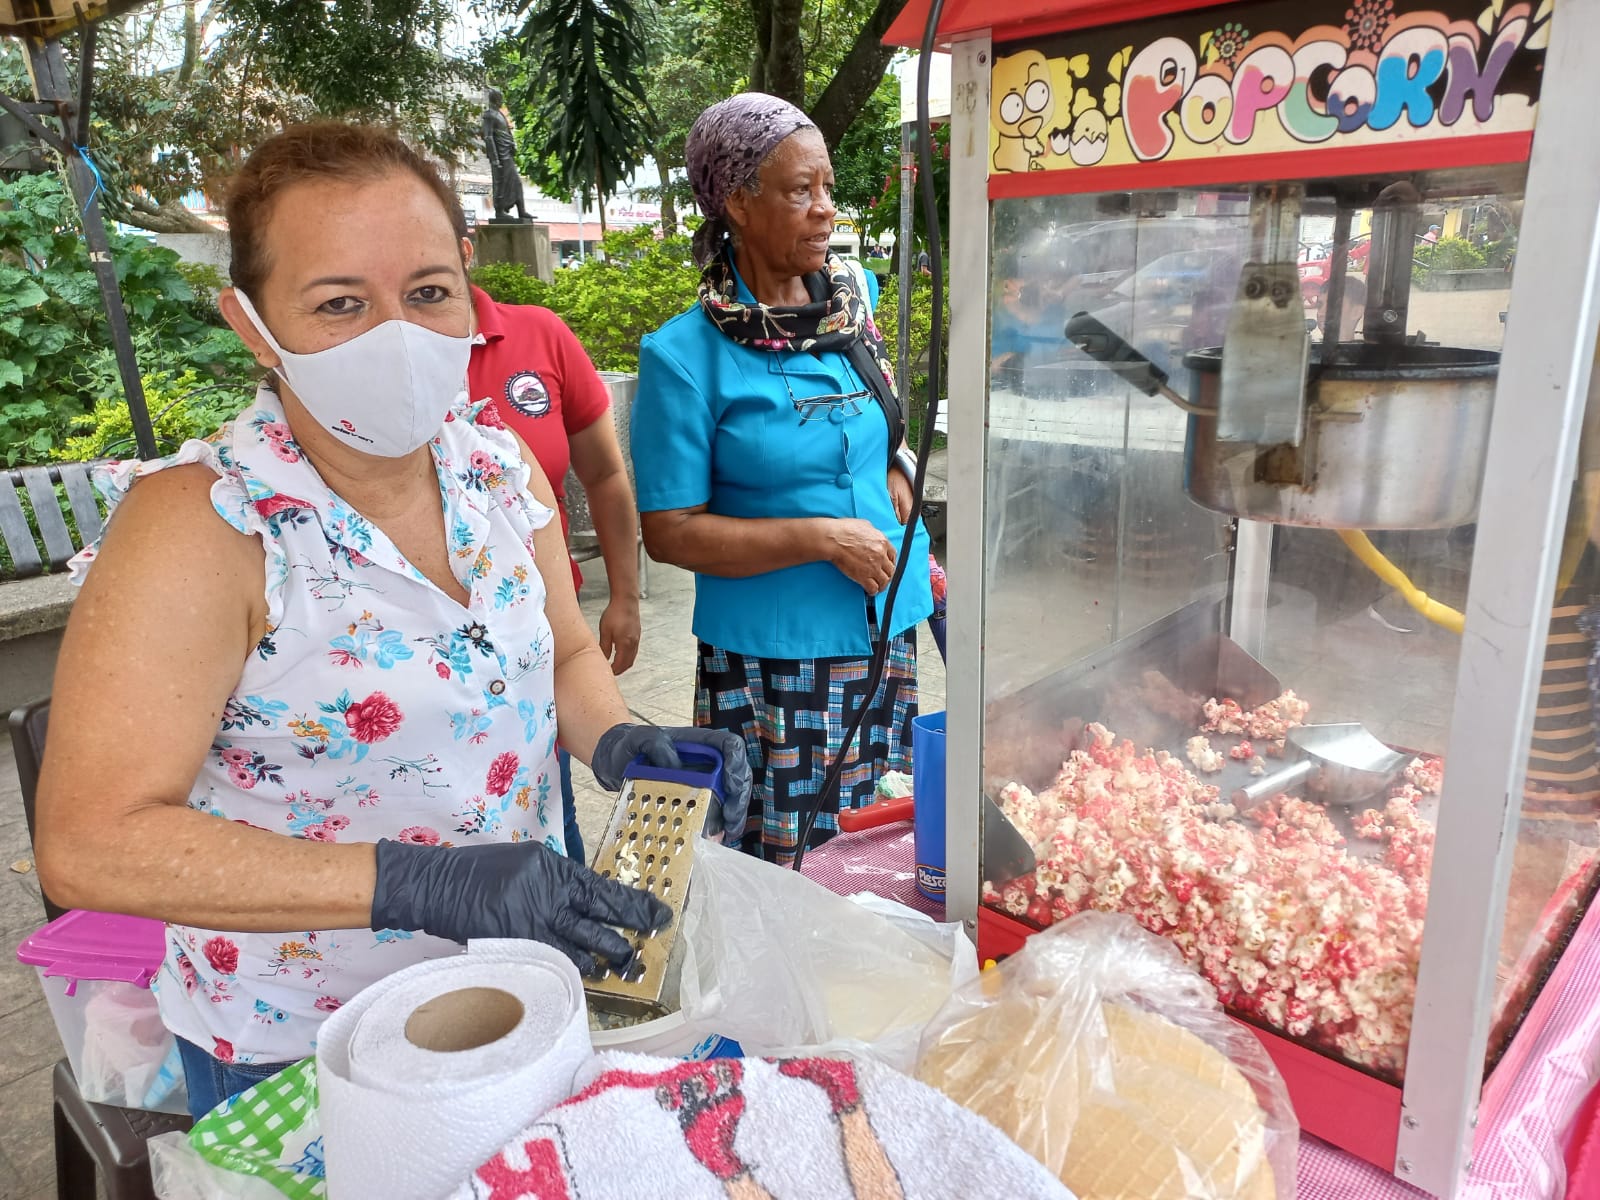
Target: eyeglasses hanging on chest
(821, 408)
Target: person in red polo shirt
(542, 386)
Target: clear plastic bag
(128, 1058)
(785, 967)
(1106, 1057)
(178, 1172)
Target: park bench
(47, 514)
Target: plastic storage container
(95, 969)
(927, 785)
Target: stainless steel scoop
(1338, 764)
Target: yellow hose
(1440, 614)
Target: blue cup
(927, 786)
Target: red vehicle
(1314, 271)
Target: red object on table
(879, 812)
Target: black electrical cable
(930, 416)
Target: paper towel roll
(426, 1074)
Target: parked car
(1175, 304)
(1097, 256)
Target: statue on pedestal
(500, 147)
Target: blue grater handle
(702, 768)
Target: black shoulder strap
(872, 376)
(866, 366)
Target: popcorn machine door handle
(1096, 339)
(1280, 780)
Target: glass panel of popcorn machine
(1195, 570)
(1554, 873)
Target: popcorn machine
(1271, 327)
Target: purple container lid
(83, 945)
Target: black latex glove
(510, 890)
(621, 744)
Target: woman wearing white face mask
(345, 625)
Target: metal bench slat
(14, 529)
(47, 515)
(80, 493)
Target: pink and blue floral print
(375, 706)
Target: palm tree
(585, 95)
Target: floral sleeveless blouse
(374, 707)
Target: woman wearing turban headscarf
(769, 452)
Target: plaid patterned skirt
(1563, 784)
(793, 713)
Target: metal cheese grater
(658, 822)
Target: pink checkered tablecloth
(880, 861)
(1526, 1108)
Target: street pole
(53, 88)
(903, 245)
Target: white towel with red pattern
(756, 1129)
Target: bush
(1447, 254)
(510, 284)
(644, 281)
(913, 392)
(205, 281)
(182, 406)
(1502, 253)
(56, 362)
(610, 304)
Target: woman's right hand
(510, 890)
(861, 552)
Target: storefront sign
(1274, 77)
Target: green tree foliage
(586, 103)
(183, 90)
(869, 151)
(883, 213)
(699, 51)
(829, 59)
(913, 392)
(610, 304)
(56, 362)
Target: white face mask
(384, 392)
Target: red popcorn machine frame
(1271, 326)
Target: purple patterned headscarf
(724, 153)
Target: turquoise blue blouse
(714, 423)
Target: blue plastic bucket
(927, 785)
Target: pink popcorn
(1199, 752)
(1274, 911)
(1369, 825)
(1426, 774)
(1223, 716)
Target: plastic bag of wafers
(1106, 1057)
